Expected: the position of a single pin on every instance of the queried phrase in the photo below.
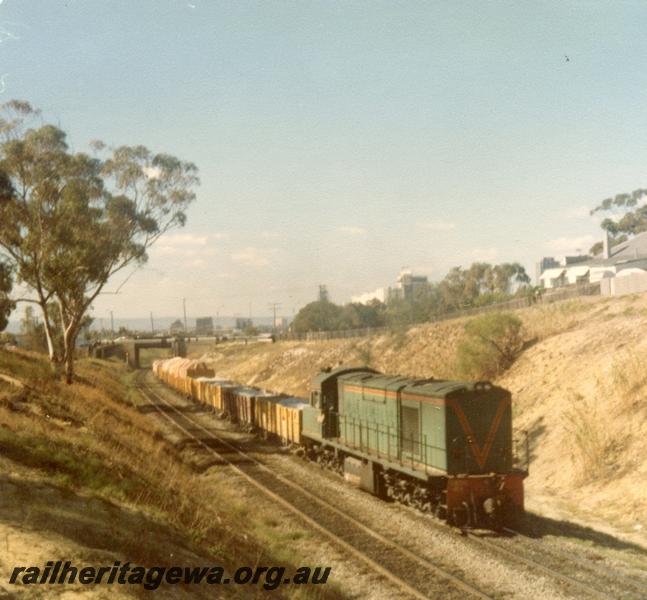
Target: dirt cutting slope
(579, 389)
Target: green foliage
(69, 221)
(628, 218)
(65, 463)
(479, 285)
(491, 344)
(318, 316)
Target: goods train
(445, 447)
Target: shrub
(491, 344)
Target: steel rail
(590, 591)
(401, 583)
(583, 562)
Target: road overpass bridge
(129, 350)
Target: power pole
(184, 309)
(274, 306)
(112, 325)
(152, 324)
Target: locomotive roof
(438, 388)
(324, 375)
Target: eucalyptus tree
(628, 217)
(71, 221)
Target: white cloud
(577, 212)
(351, 230)
(485, 254)
(183, 246)
(183, 240)
(570, 245)
(251, 257)
(437, 225)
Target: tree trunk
(69, 367)
(52, 350)
(69, 346)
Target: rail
(420, 578)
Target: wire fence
(546, 297)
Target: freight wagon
(444, 447)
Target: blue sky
(338, 142)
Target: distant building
(622, 260)
(242, 323)
(405, 287)
(408, 283)
(548, 262)
(204, 326)
(380, 294)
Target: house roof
(552, 273)
(578, 271)
(636, 247)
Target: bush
(491, 344)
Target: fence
(545, 297)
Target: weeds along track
(576, 572)
(413, 575)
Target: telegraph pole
(112, 325)
(184, 309)
(152, 324)
(274, 306)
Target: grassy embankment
(90, 442)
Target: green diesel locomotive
(442, 446)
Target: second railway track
(575, 572)
(414, 575)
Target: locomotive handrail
(418, 458)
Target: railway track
(594, 579)
(412, 574)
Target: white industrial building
(405, 287)
(620, 269)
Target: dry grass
(590, 441)
(542, 322)
(90, 438)
(629, 378)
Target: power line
(273, 306)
